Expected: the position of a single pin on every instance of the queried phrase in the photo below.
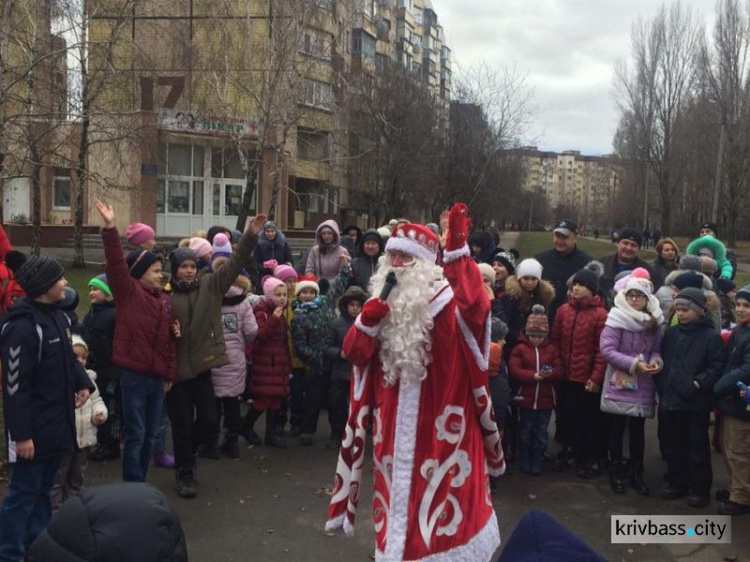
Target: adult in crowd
(351, 239)
(272, 250)
(214, 230)
(624, 259)
(712, 229)
(562, 262)
(482, 246)
(667, 260)
(366, 264)
(325, 257)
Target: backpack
(10, 290)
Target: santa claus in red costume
(419, 379)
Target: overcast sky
(568, 48)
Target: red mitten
(458, 226)
(374, 310)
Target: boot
(636, 480)
(615, 477)
(208, 451)
(230, 447)
(272, 439)
(185, 483)
(247, 430)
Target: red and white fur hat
(415, 240)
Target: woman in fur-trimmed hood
(527, 288)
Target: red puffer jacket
(576, 332)
(525, 360)
(143, 340)
(271, 362)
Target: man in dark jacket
(366, 264)
(562, 262)
(43, 384)
(625, 259)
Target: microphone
(390, 282)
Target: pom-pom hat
(537, 323)
(222, 247)
(139, 233)
(35, 274)
(529, 268)
(415, 240)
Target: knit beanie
(307, 282)
(507, 259)
(35, 274)
(706, 251)
(711, 226)
(179, 255)
(537, 323)
(632, 235)
(487, 272)
(202, 247)
(372, 235)
(285, 272)
(589, 276)
(139, 233)
(725, 286)
(689, 279)
(221, 246)
(498, 329)
(690, 262)
(639, 284)
(70, 299)
(139, 261)
(743, 293)
(269, 224)
(692, 298)
(529, 268)
(269, 286)
(100, 282)
(75, 339)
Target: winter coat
(310, 325)
(143, 340)
(357, 248)
(364, 266)
(337, 330)
(558, 268)
(728, 315)
(544, 294)
(660, 269)
(612, 268)
(576, 332)
(627, 338)
(240, 329)
(271, 364)
(99, 334)
(719, 253)
(484, 240)
(325, 261)
(664, 294)
(736, 369)
(525, 361)
(85, 428)
(40, 379)
(201, 345)
(114, 522)
(691, 352)
(297, 363)
(506, 309)
(277, 249)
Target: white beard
(405, 334)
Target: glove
(458, 226)
(374, 310)
(270, 264)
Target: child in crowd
(527, 288)
(72, 471)
(240, 330)
(630, 344)
(141, 236)
(576, 332)
(145, 322)
(312, 314)
(99, 327)
(725, 290)
(269, 379)
(712, 247)
(43, 384)
(535, 369)
(693, 356)
(735, 420)
(203, 250)
(350, 305)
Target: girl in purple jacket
(630, 344)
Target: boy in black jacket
(43, 384)
(693, 357)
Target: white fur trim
(371, 331)
(360, 380)
(411, 247)
(481, 546)
(482, 359)
(404, 439)
(348, 528)
(336, 523)
(453, 255)
(441, 300)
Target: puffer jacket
(544, 294)
(99, 333)
(364, 266)
(691, 352)
(143, 319)
(240, 329)
(337, 330)
(85, 428)
(661, 270)
(576, 332)
(276, 249)
(201, 345)
(627, 338)
(271, 364)
(612, 268)
(325, 261)
(736, 369)
(525, 361)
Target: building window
(363, 44)
(313, 145)
(316, 94)
(315, 44)
(61, 189)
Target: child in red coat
(535, 369)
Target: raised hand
(444, 227)
(106, 212)
(256, 224)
